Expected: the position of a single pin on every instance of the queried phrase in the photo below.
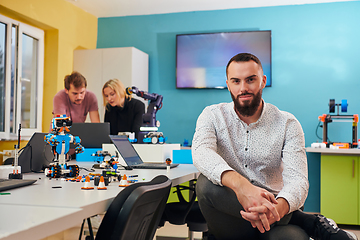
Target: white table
(67, 201)
(350, 151)
(35, 222)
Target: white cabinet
(129, 65)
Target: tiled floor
(168, 232)
(165, 233)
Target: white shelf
(350, 151)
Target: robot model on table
(60, 139)
(148, 130)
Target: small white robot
(60, 139)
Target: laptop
(131, 157)
(36, 154)
(92, 135)
(7, 184)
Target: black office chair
(135, 212)
(186, 212)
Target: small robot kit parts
(105, 179)
(60, 139)
(168, 163)
(154, 137)
(328, 118)
(58, 171)
(124, 182)
(105, 160)
(101, 181)
(16, 174)
(108, 175)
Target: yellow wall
(67, 28)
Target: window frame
(38, 34)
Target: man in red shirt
(75, 101)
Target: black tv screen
(201, 59)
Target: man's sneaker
(326, 229)
(351, 235)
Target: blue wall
(315, 57)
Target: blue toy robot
(60, 140)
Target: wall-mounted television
(201, 59)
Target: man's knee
(285, 232)
(206, 189)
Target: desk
(35, 222)
(76, 204)
(339, 184)
(328, 151)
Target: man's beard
(249, 107)
(77, 102)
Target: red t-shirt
(77, 112)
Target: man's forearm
(94, 116)
(248, 194)
(233, 180)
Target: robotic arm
(149, 118)
(148, 131)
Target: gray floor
(168, 232)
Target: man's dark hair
(243, 57)
(76, 79)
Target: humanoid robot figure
(60, 139)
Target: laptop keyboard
(153, 166)
(7, 184)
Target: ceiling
(113, 8)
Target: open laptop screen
(36, 154)
(125, 148)
(92, 135)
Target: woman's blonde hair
(118, 87)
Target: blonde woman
(123, 112)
